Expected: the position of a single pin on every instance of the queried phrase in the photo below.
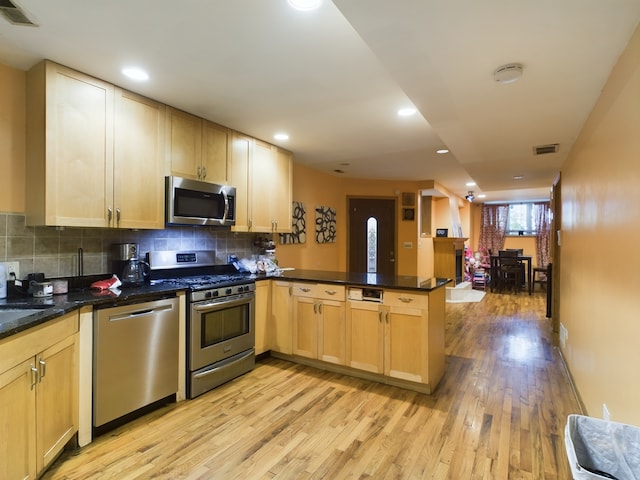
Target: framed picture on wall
(408, 199)
(408, 214)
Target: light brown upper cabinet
(262, 174)
(94, 153)
(197, 148)
(138, 174)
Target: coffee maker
(127, 264)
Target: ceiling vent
(544, 149)
(14, 14)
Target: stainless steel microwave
(192, 202)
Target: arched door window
(372, 245)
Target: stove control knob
(215, 293)
(229, 291)
(207, 295)
(245, 288)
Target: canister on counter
(60, 286)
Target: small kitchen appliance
(126, 260)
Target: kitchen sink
(14, 312)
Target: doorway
(372, 235)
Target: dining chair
(510, 270)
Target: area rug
(468, 296)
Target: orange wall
(312, 188)
(12, 139)
(599, 276)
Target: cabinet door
(262, 312)
(281, 317)
(365, 336)
(70, 147)
(241, 147)
(215, 144)
(331, 334)
(184, 143)
(305, 327)
(262, 187)
(138, 162)
(281, 191)
(56, 399)
(406, 344)
(17, 418)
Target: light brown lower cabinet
(39, 396)
(263, 290)
(399, 340)
(280, 320)
(319, 322)
(396, 338)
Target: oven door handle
(222, 304)
(215, 369)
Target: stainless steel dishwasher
(135, 357)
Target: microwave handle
(226, 206)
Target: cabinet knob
(204, 173)
(117, 216)
(405, 299)
(109, 215)
(330, 292)
(305, 289)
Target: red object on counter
(107, 284)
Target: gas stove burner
(203, 282)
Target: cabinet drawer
(321, 291)
(302, 289)
(398, 298)
(330, 292)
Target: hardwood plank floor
(499, 413)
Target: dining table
(495, 264)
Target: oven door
(220, 329)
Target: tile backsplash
(54, 251)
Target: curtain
(542, 224)
(493, 227)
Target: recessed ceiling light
(305, 5)
(518, 177)
(407, 112)
(136, 73)
(482, 195)
(470, 184)
(281, 136)
(442, 150)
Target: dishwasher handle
(140, 313)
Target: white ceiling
(334, 78)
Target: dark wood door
(381, 259)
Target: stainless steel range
(220, 315)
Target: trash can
(600, 449)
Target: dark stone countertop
(360, 279)
(55, 306)
(50, 308)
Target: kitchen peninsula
(384, 328)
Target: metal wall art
(298, 226)
(325, 224)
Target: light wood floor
(499, 413)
